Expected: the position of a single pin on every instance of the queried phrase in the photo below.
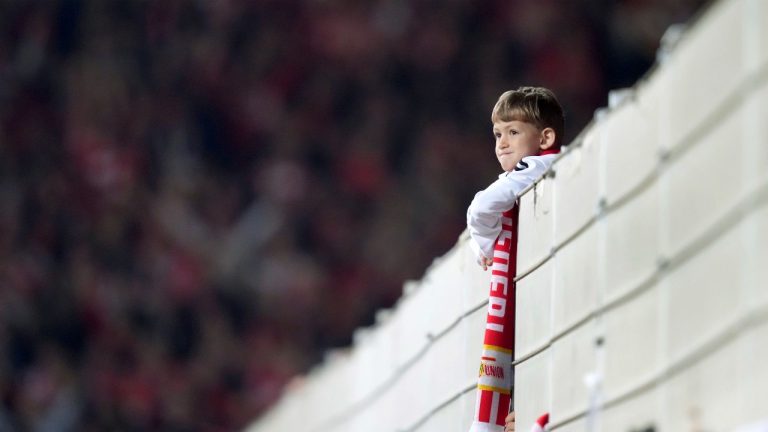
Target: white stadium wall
(642, 296)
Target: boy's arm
(484, 213)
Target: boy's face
(515, 140)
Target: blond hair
(535, 105)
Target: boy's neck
(549, 151)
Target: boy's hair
(535, 105)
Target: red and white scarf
(494, 384)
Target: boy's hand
(486, 262)
(510, 422)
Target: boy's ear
(548, 138)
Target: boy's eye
(513, 132)
(497, 135)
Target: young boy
(528, 125)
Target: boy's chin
(508, 162)
(507, 167)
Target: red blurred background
(197, 198)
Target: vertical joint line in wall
(601, 210)
(596, 398)
(551, 287)
(662, 242)
(594, 382)
(602, 207)
(664, 155)
(751, 147)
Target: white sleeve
(484, 213)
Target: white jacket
(484, 213)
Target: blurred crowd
(197, 198)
